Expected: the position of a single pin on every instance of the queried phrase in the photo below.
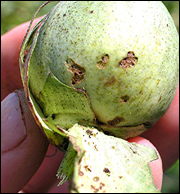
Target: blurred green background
(14, 13)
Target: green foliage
(14, 13)
(171, 179)
(173, 8)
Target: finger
(60, 189)
(45, 177)
(165, 134)
(156, 165)
(23, 145)
(10, 50)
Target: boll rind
(111, 65)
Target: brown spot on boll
(124, 99)
(115, 121)
(77, 71)
(110, 82)
(81, 173)
(103, 62)
(128, 62)
(106, 170)
(96, 178)
(87, 168)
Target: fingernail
(13, 130)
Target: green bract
(106, 164)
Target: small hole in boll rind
(53, 116)
(81, 173)
(73, 83)
(77, 71)
(107, 171)
(124, 99)
(129, 61)
(96, 178)
(105, 58)
(103, 62)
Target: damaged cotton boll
(83, 64)
(95, 73)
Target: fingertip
(156, 165)
(45, 177)
(24, 145)
(164, 134)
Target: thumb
(23, 145)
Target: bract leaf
(108, 164)
(64, 104)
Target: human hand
(22, 156)
(23, 146)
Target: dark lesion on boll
(124, 99)
(115, 121)
(103, 62)
(128, 62)
(77, 71)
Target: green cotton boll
(113, 65)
